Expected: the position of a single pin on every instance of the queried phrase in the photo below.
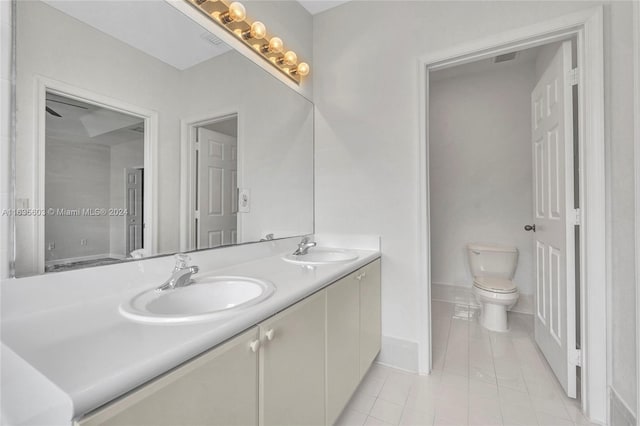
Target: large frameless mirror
(140, 133)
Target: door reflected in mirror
(216, 174)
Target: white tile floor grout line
(526, 392)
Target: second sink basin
(202, 300)
(322, 256)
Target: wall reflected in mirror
(174, 85)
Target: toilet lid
(498, 285)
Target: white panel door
(217, 189)
(133, 204)
(552, 137)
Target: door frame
(188, 129)
(587, 27)
(125, 217)
(46, 85)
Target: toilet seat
(495, 284)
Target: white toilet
(493, 267)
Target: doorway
(93, 195)
(492, 172)
(587, 28)
(34, 260)
(212, 194)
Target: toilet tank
(492, 260)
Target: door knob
(530, 228)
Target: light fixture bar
(232, 17)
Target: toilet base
(494, 317)
(494, 307)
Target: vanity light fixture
(232, 17)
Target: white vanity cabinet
(217, 388)
(298, 367)
(370, 314)
(343, 343)
(353, 334)
(292, 363)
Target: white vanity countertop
(91, 354)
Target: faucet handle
(304, 240)
(181, 261)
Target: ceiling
(317, 6)
(485, 65)
(166, 30)
(85, 123)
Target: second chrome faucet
(181, 275)
(303, 246)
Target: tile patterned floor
(479, 378)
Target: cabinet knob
(269, 334)
(254, 345)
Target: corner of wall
(6, 187)
(399, 353)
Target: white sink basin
(205, 299)
(322, 256)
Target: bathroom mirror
(140, 133)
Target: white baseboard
(399, 353)
(620, 414)
(445, 292)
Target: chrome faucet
(267, 237)
(303, 246)
(181, 275)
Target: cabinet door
(292, 363)
(370, 315)
(217, 388)
(343, 343)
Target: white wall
(275, 154)
(365, 90)
(480, 168)
(619, 153)
(77, 176)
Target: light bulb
(302, 69)
(274, 46)
(257, 31)
(236, 13)
(289, 58)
